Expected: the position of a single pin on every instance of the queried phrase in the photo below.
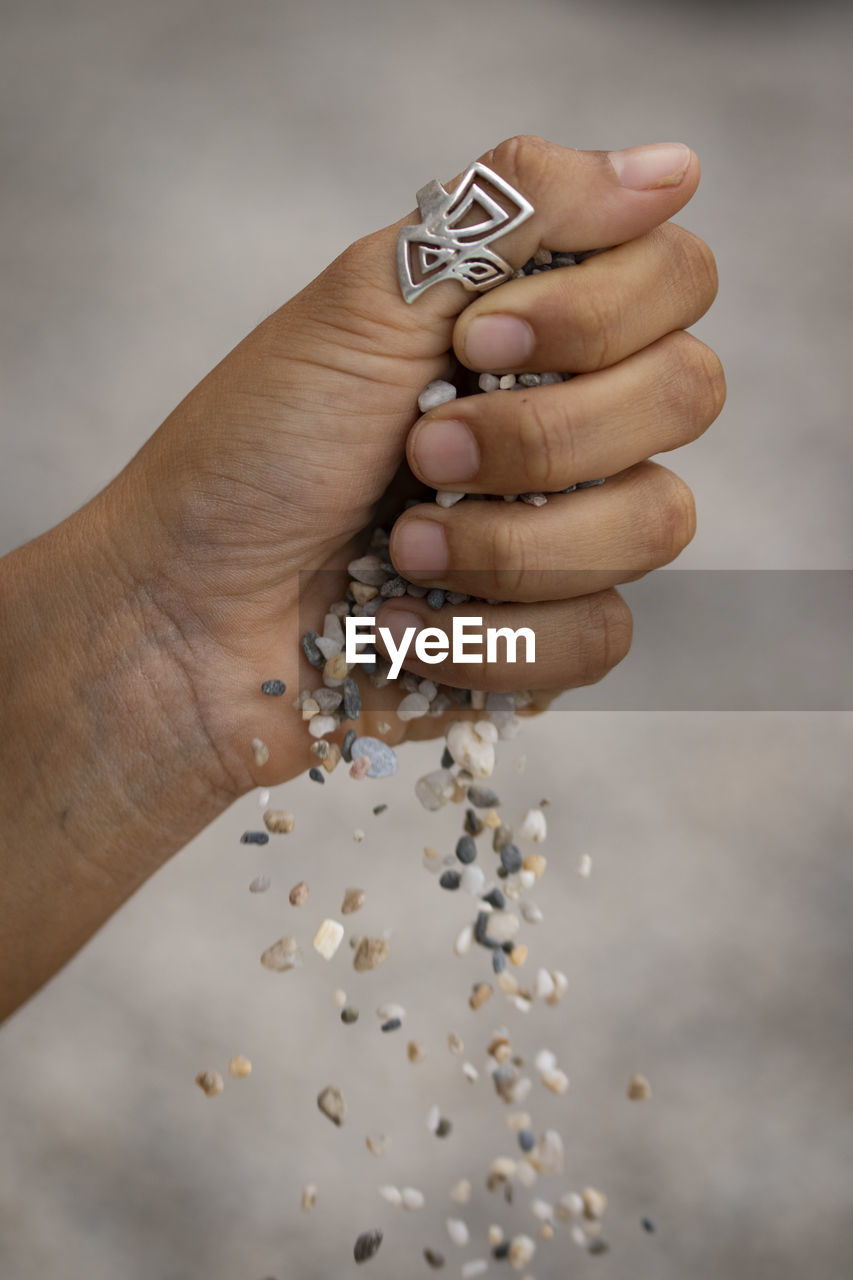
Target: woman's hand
(273, 468)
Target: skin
(136, 634)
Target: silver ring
(442, 247)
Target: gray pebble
(317, 775)
(309, 648)
(346, 745)
(495, 899)
(352, 700)
(526, 1139)
(483, 797)
(450, 879)
(393, 1024)
(383, 760)
(254, 837)
(498, 961)
(589, 484)
(435, 598)
(466, 850)
(349, 1015)
(274, 688)
(367, 1245)
(433, 1259)
(393, 589)
(511, 858)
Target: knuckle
(597, 330)
(694, 269)
(509, 553)
(697, 383)
(610, 626)
(672, 519)
(543, 459)
(521, 159)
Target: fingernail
(498, 342)
(420, 549)
(445, 452)
(663, 164)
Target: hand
(275, 466)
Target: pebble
(358, 835)
(328, 938)
(282, 956)
(436, 393)
(210, 1083)
(480, 994)
(466, 850)
(353, 901)
(445, 498)
(476, 1267)
(393, 1024)
(260, 884)
(346, 745)
(359, 768)
(503, 926)
(260, 752)
(482, 797)
(532, 914)
(319, 726)
(464, 940)
(473, 880)
(309, 648)
(367, 1245)
(435, 790)
(377, 1144)
(458, 1231)
(444, 1128)
(264, 797)
(415, 1051)
(473, 824)
(647, 1224)
(435, 598)
(335, 671)
(526, 1139)
(331, 1103)
(254, 837)
(367, 569)
(309, 1197)
(585, 866)
(383, 760)
(316, 775)
(568, 1207)
(351, 699)
(274, 688)
(310, 708)
(594, 1203)
(489, 382)
(298, 895)
(521, 1251)
(330, 648)
(507, 382)
(498, 961)
(392, 1196)
(349, 1015)
(431, 860)
(328, 700)
(555, 1080)
(413, 1199)
(239, 1067)
(370, 953)
(455, 1043)
(471, 748)
(639, 1089)
(279, 821)
(433, 1259)
(536, 864)
(339, 997)
(534, 827)
(511, 858)
(450, 879)
(413, 706)
(461, 1192)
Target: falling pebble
(260, 752)
(210, 1083)
(367, 1245)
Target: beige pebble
(353, 901)
(239, 1067)
(639, 1089)
(496, 1235)
(415, 1051)
(331, 1103)
(518, 955)
(500, 1172)
(279, 821)
(454, 1043)
(335, 669)
(339, 998)
(333, 758)
(481, 993)
(377, 1144)
(585, 866)
(492, 819)
(361, 592)
(328, 938)
(594, 1203)
(310, 709)
(370, 953)
(299, 894)
(555, 1080)
(383, 727)
(521, 1250)
(210, 1083)
(508, 983)
(535, 863)
(546, 1231)
(309, 1197)
(518, 1120)
(260, 751)
(282, 956)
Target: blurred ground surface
(171, 173)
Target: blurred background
(173, 171)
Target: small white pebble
(339, 997)
(489, 382)
(534, 499)
(470, 1072)
(542, 1210)
(585, 866)
(390, 1010)
(476, 1267)
(319, 726)
(526, 879)
(531, 913)
(263, 797)
(444, 498)
(507, 382)
(260, 751)
(433, 1117)
(413, 1199)
(568, 1207)
(358, 835)
(561, 986)
(526, 1174)
(436, 393)
(461, 1192)
(557, 1081)
(309, 1196)
(545, 987)
(534, 827)
(332, 629)
(545, 1059)
(392, 1195)
(458, 1231)
(521, 1250)
(260, 884)
(473, 880)
(328, 648)
(496, 1234)
(464, 940)
(328, 937)
(413, 706)
(377, 1144)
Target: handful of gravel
(494, 866)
